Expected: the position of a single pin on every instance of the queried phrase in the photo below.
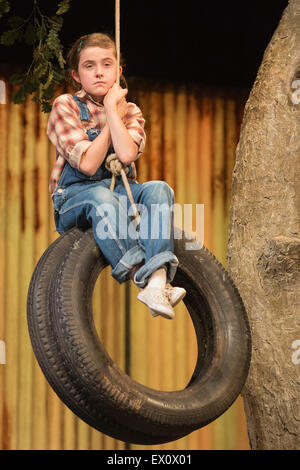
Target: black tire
(92, 385)
(48, 349)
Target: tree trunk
(263, 249)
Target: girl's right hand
(114, 96)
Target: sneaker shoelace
(168, 290)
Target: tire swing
(80, 371)
(84, 376)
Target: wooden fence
(192, 133)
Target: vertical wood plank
(55, 423)
(192, 144)
(40, 386)
(69, 429)
(169, 137)
(26, 269)
(13, 228)
(3, 262)
(54, 404)
(224, 439)
(242, 435)
(108, 330)
(180, 347)
(142, 164)
(205, 166)
(168, 366)
(191, 199)
(219, 181)
(155, 144)
(83, 434)
(95, 436)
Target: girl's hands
(115, 107)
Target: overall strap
(84, 112)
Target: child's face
(97, 71)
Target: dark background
(213, 43)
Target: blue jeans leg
(154, 200)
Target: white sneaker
(174, 294)
(156, 299)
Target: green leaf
(9, 37)
(19, 96)
(40, 69)
(31, 86)
(42, 53)
(48, 81)
(17, 78)
(63, 6)
(55, 22)
(4, 7)
(58, 75)
(48, 65)
(48, 93)
(52, 40)
(30, 35)
(15, 21)
(42, 32)
(46, 107)
(61, 60)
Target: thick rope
(114, 165)
(112, 162)
(117, 37)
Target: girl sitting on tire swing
(85, 129)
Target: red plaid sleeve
(135, 126)
(65, 130)
(56, 173)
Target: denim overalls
(87, 201)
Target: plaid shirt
(69, 134)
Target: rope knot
(114, 165)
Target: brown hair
(102, 40)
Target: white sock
(158, 279)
